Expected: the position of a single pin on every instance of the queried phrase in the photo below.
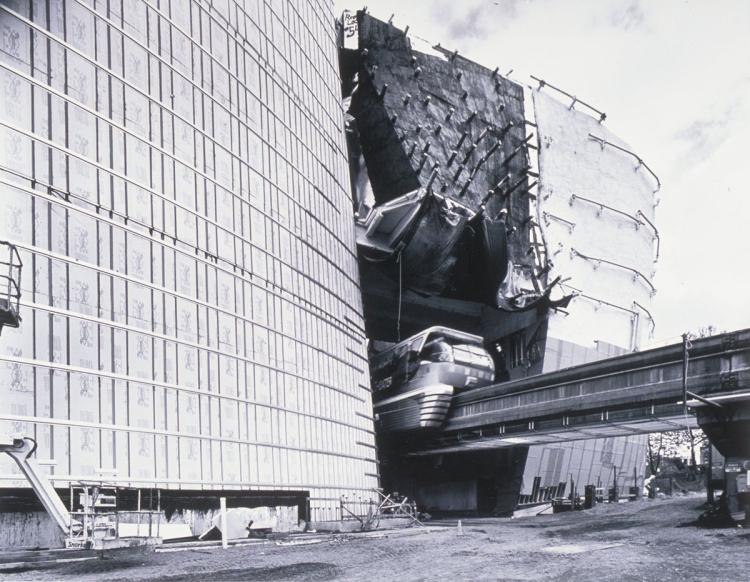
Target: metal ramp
(21, 451)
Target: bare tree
(654, 452)
(672, 444)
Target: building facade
(175, 177)
(506, 211)
(596, 207)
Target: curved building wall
(597, 211)
(175, 177)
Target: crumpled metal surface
(429, 257)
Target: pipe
(601, 205)
(656, 233)
(547, 216)
(635, 272)
(542, 83)
(461, 140)
(519, 147)
(580, 293)
(433, 175)
(648, 314)
(502, 181)
(603, 142)
(469, 152)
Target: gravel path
(645, 540)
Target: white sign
(351, 30)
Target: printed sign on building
(351, 30)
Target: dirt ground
(644, 540)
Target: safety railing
(10, 290)
(602, 206)
(603, 142)
(576, 100)
(580, 293)
(648, 315)
(636, 272)
(657, 238)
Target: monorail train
(413, 382)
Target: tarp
(241, 520)
(492, 243)
(429, 258)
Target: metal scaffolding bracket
(575, 100)
(636, 272)
(603, 142)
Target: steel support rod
(601, 205)
(685, 342)
(656, 232)
(648, 314)
(549, 216)
(603, 142)
(635, 272)
(543, 83)
(700, 398)
(580, 293)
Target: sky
(673, 77)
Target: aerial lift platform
(10, 285)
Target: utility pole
(685, 341)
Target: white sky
(673, 77)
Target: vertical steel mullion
(197, 235)
(211, 102)
(97, 106)
(32, 89)
(176, 347)
(125, 238)
(67, 229)
(151, 224)
(111, 181)
(125, 183)
(163, 301)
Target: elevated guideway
(641, 392)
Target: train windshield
(398, 364)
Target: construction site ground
(641, 540)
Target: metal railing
(579, 293)
(542, 494)
(657, 238)
(369, 512)
(648, 315)
(636, 272)
(602, 142)
(548, 217)
(543, 83)
(10, 298)
(602, 206)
